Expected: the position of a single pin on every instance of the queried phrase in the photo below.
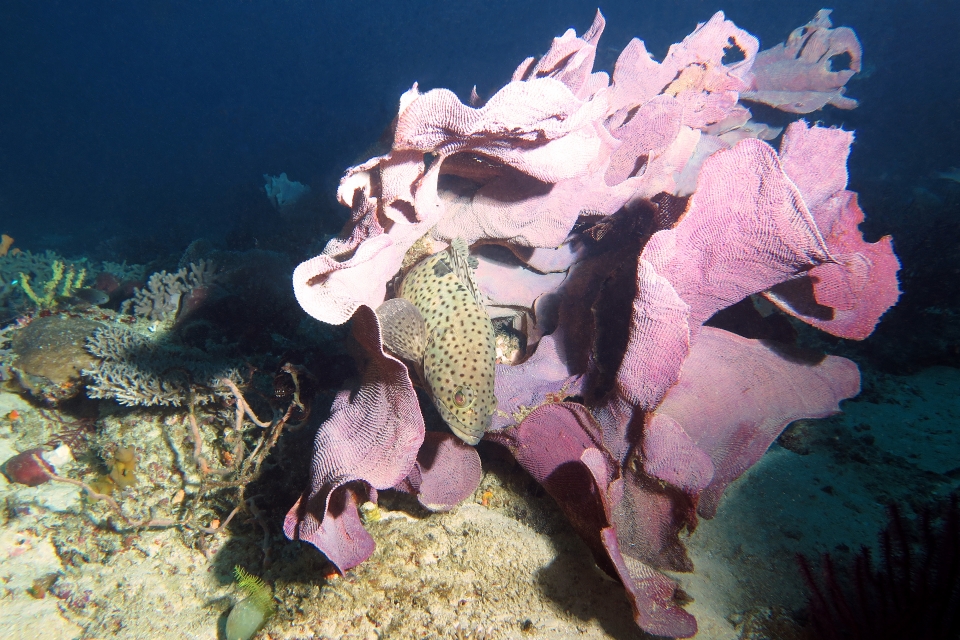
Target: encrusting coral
(47, 356)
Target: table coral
(659, 203)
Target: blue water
(159, 118)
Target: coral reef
(217, 298)
(161, 297)
(62, 284)
(136, 370)
(37, 266)
(186, 482)
(655, 197)
(250, 305)
(187, 329)
(174, 487)
(32, 282)
(123, 271)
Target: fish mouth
(461, 430)
(467, 436)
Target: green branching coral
(249, 614)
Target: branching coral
(136, 370)
(160, 299)
(231, 479)
(37, 267)
(67, 279)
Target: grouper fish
(438, 323)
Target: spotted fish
(439, 324)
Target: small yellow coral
(124, 464)
(71, 279)
(370, 513)
(121, 472)
(485, 497)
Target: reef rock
(50, 356)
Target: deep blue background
(157, 119)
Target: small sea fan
(255, 588)
(249, 614)
(914, 593)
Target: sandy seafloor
(511, 569)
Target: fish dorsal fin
(403, 329)
(460, 260)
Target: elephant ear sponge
(249, 614)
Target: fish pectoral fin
(402, 329)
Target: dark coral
(913, 593)
(73, 433)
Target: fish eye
(463, 396)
